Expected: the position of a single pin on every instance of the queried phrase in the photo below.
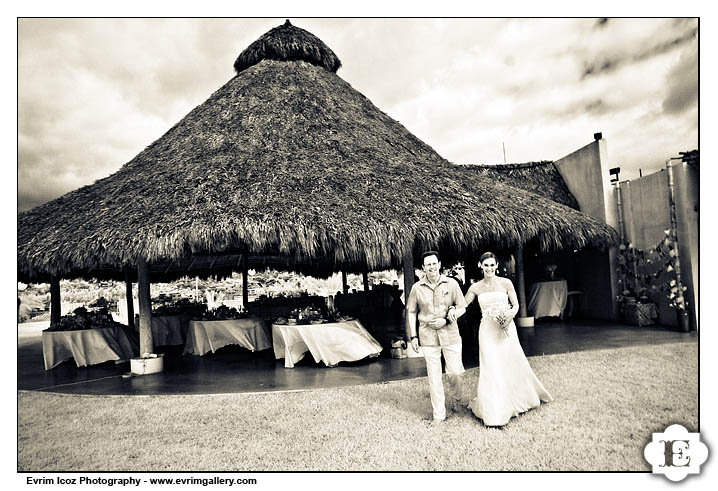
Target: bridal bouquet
(502, 317)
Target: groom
(439, 302)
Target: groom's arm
(459, 301)
(411, 309)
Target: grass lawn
(606, 405)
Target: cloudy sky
(93, 93)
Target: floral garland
(642, 273)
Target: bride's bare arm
(470, 296)
(512, 297)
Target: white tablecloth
(205, 336)
(330, 343)
(547, 298)
(87, 346)
(122, 306)
(170, 329)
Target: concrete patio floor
(233, 369)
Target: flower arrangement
(502, 317)
(222, 313)
(181, 306)
(81, 319)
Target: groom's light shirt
(432, 302)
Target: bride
(507, 385)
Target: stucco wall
(585, 172)
(647, 214)
(687, 189)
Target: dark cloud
(682, 82)
(608, 63)
(596, 107)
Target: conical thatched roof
(542, 178)
(288, 161)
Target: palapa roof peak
(288, 43)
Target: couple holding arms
(507, 385)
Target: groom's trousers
(454, 369)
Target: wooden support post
(408, 275)
(145, 302)
(365, 277)
(130, 300)
(55, 305)
(245, 281)
(408, 261)
(521, 282)
(345, 285)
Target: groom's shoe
(429, 419)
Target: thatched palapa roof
(542, 178)
(285, 161)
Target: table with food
(170, 321)
(330, 338)
(88, 337)
(225, 326)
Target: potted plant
(678, 302)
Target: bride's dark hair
(487, 255)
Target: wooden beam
(408, 275)
(521, 282)
(245, 280)
(345, 285)
(130, 300)
(145, 301)
(55, 304)
(408, 261)
(365, 276)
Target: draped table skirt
(330, 343)
(547, 298)
(87, 346)
(206, 336)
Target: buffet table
(547, 298)
(170, 329)
(87, 346)
(205, 336)
(330, 343)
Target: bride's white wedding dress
(507, 385)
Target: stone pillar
(523, 319)
(145, 303)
